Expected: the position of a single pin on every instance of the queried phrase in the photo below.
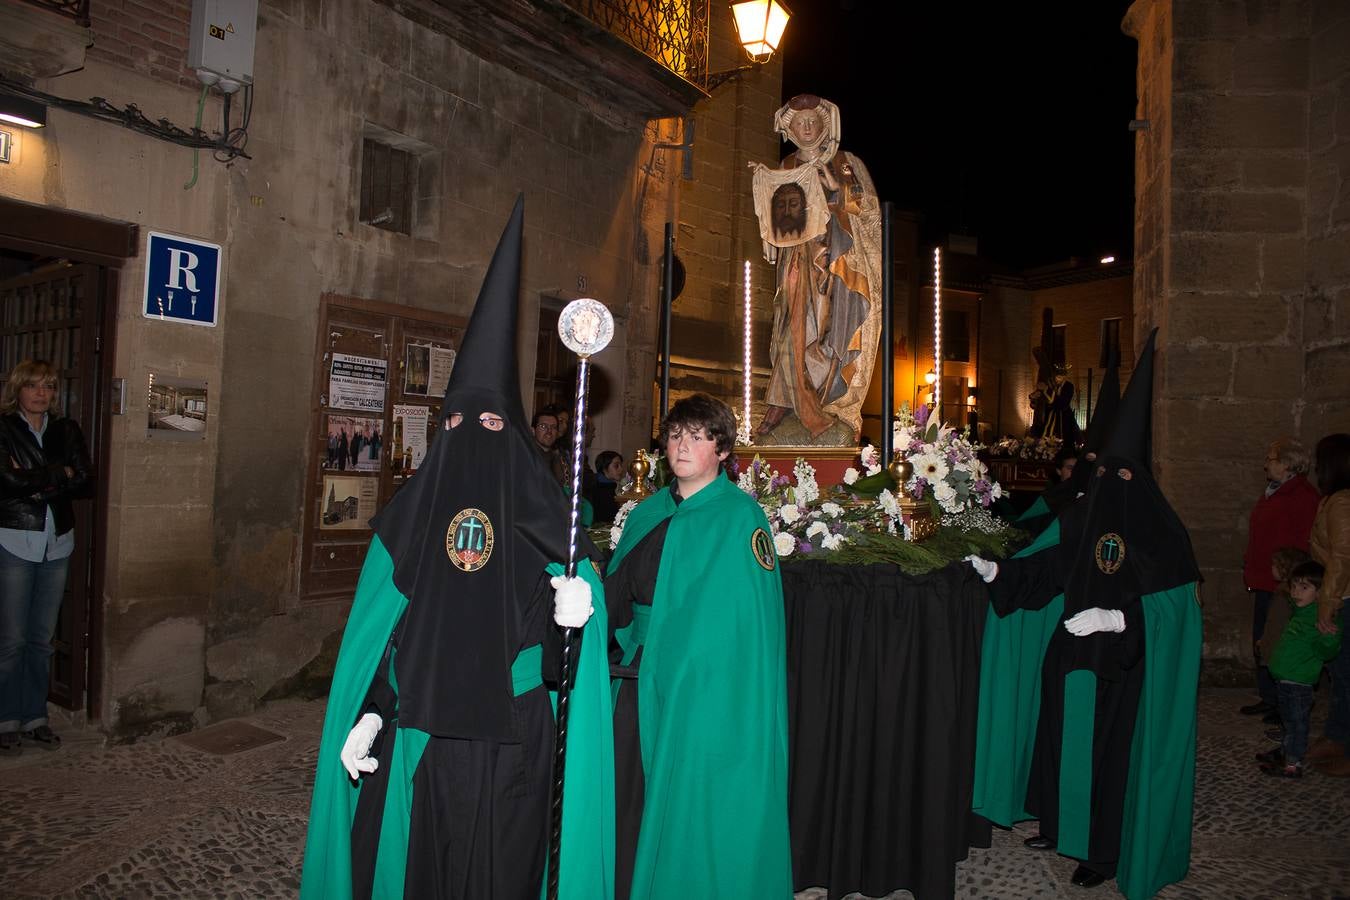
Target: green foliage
(947, 546)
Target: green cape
(1035, 510)
(713, 707)
(588, 809)
(1156, 828)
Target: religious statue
(820, 223)
(1038, 403)
(1060, 421)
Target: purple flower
(804, 547)
(921, 415)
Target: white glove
(356, 756)
(571, 601)
(1091, 621)
(987, 568)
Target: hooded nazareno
(460, 628)
(448, 641)
(1095, 735)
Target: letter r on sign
(179, 268)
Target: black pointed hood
(486, 364)
(473, 530)
(1132, 435)
(1099, 429)
(1123, 540)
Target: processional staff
(586, 327)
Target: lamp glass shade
(760, 24)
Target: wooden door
(54, 313)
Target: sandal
(44, 737)
(9, 744)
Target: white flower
(831, 509)
(888, 503)
(816, 528)
(850, 475)
(832, 542)
(929, 466)
(997, 491)
(789, 513)
(873, 469)
(944, 492)
(746, 481)
(616, 530)
(784, 543)
(807, 488)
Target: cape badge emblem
(468, 540)
(1110, 552)
(762, 546)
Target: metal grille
(387, 180)
(674, 33)
(71, 9)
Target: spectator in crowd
(1282, 517)
(44, 464)
(608, 474)
(1296, 665)
(1330, 546)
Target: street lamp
(759, 25)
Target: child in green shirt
(1295, 665)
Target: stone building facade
(1242, 258)
(202, 564)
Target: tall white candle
(937, 332)
(745, 380)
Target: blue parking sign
(182, 279)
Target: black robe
(1116, 661)
(632, 584)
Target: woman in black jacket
(44, 463)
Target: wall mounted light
(22, 111)
(759, 26)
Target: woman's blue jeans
(30, 602)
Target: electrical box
(220, 43)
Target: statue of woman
(824, 234)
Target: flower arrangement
(862, 520)
(947, 469)
(802, 521)
(1043, 448)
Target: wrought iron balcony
(75, 10)
(673, 33)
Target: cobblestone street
(164, 819)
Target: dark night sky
(1007, 121)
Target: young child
(1282, 562)
(1295, 666)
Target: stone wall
(1326, 319)
(204, 539)
(1240, 258)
